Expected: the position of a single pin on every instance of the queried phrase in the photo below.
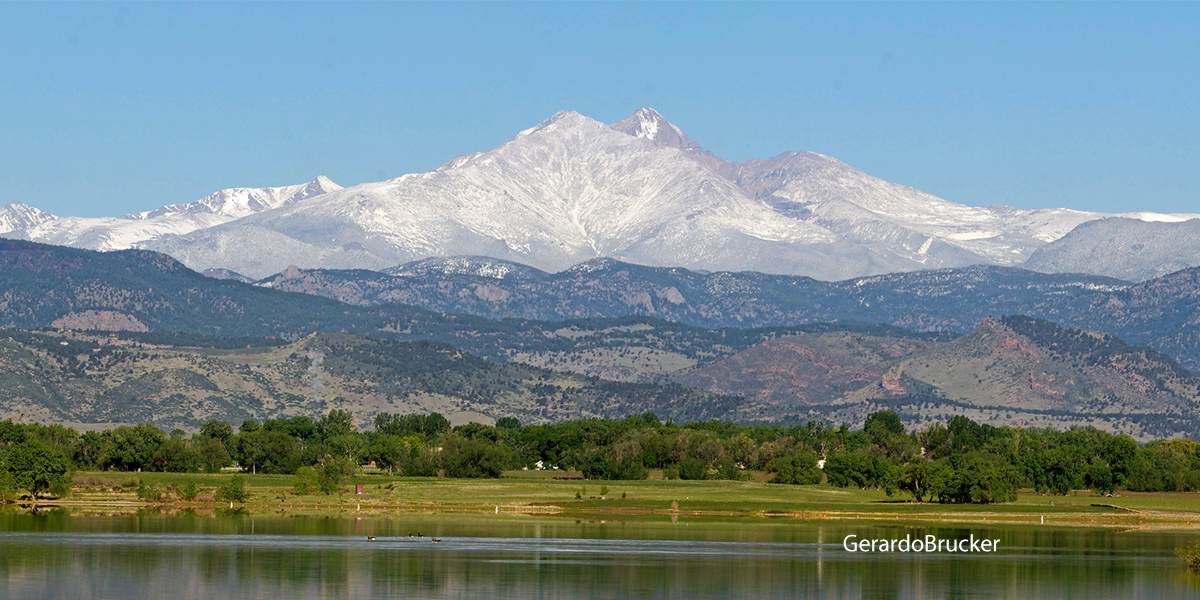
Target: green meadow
(565, 495)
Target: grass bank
(547, 493)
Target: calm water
(58, 555)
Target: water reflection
(148, 555)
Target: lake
(58, 554)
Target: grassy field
(548, 493)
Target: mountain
(573, 189)
(59, 378)
(1035, 372)
(941, 299)
(141, 291)
(474, 266)
(119, 233)
(15, 216)
(226, 274)
(1012, 368)
(1130, 249)
(552, 196)
(1008, 371)
(1163, 313)
(805, 370)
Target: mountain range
(1004, 370)
(1162, 313)
(61, 378)
(572, 189)
(1010, 370)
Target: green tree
(1099, 478)
(914, 478)
(463, 457)
(175, 456)
(337, 422)
(211, 454)
(796, 469)
(217, 430)
(981, 482)
(857, 469)
(36, 467)
(388, 451)
(349, 445)
(884, 422)
(133, 448)
(8, 485)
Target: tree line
(959, 461)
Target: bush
(693, 468)
(599, 465)
(727, 468)
(330, 478)
(189, 490)
(234, 491)
(306, 480)
(1190, 553)
(149, 493)
(8, 487)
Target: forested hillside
(59, 378)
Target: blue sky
(111, 108)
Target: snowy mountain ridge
(571, 189)
(127, 231)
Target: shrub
(8, 487)
(149, 493)
(330, 478)
(727, 468)
(1190, 553)
(693, 468)
(598, 465)
(306, 480)
(189, 490)
(234, 491)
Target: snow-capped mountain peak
(14, 216)
(118, 233)
(239, 202)
(647, 124)
(572, 189)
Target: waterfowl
(437, 541)
(370, 538)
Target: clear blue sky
(111, 108)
